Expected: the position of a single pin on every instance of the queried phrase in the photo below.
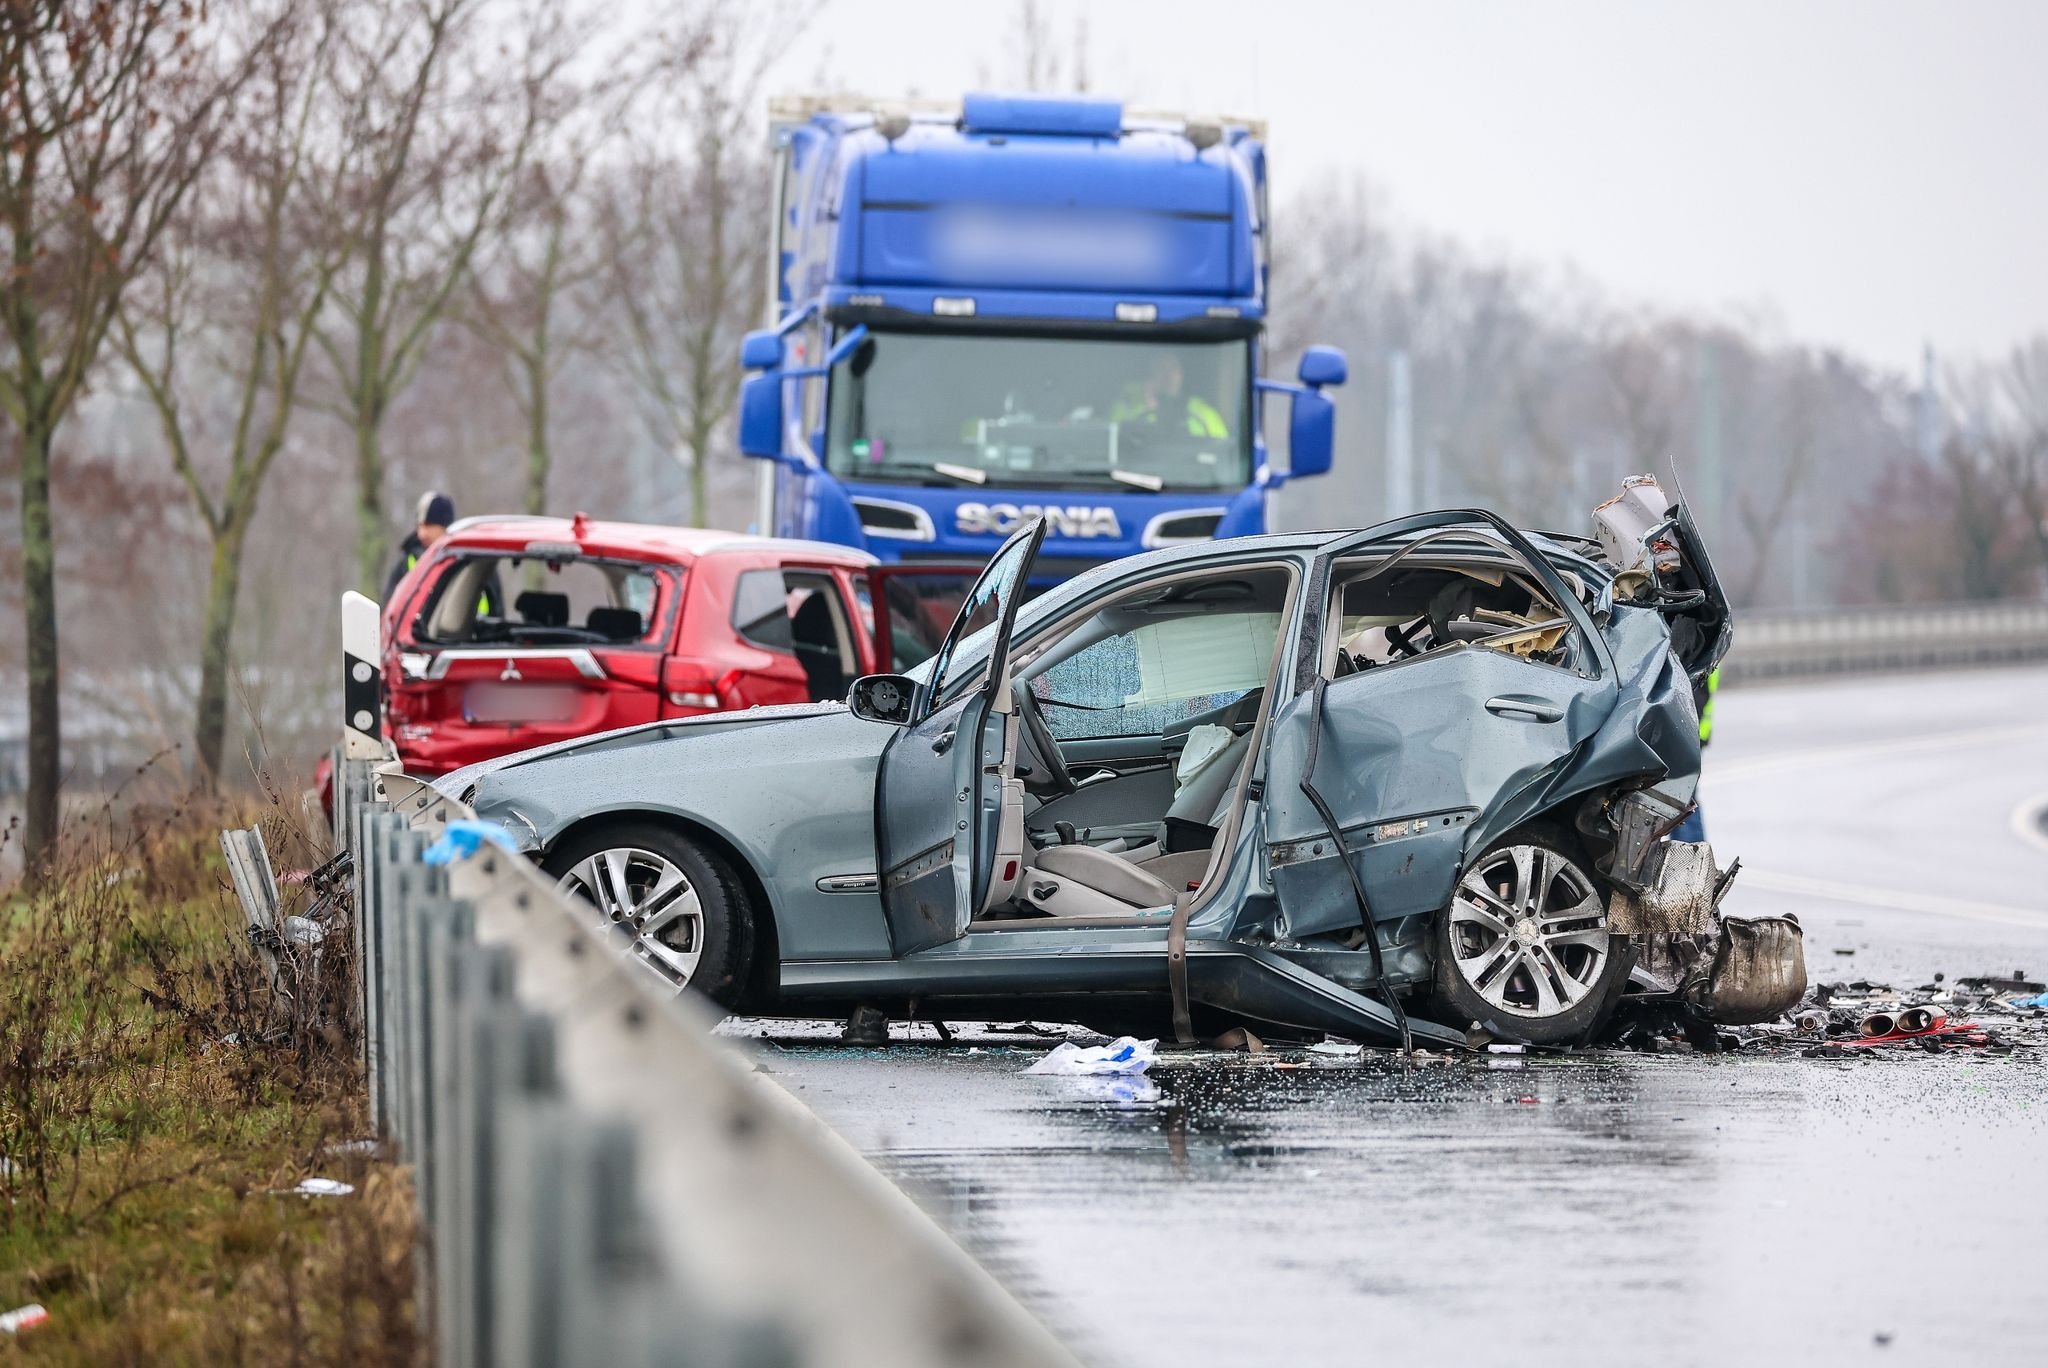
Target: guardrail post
(525, 1194)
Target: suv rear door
(577, 649)
(805, 636)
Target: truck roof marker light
(1224, 311)
(1137, 313)
(954, 306)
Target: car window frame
(671, 580)
(1490, 532)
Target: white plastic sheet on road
(1124, 1055)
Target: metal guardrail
(1774, 644)
(602, 1181)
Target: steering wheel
(1042, 743)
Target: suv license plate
(519, 703)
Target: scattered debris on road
(1124, 1055)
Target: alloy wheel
(644, 895)
(1529, 931)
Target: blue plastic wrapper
(463, 839)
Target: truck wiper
(964, 474)
(1155, 483)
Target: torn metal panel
(1758, 972)
(1641, 820)
(1677, 895)
(1441, 739)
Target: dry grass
(156, 1106)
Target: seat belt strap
(1177, 967)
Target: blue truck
(1019, 305)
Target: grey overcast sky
(1866, 173)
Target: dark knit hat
(436, 510)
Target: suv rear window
(516, 600)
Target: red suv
(517, 631)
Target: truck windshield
(932, 408)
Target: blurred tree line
(277, 266)
(1819, 479)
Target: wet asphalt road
(1753, 1209)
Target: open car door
(948, 800)
(1496, 677)
(911, 608)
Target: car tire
(697, 935)
(1523, 949)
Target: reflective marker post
(361, 689)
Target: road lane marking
(1897, 899)
(1869, 750)
(2030, 821)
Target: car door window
(760, 610)
(799, 612)
(1143, 681)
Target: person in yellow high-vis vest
(435, 516)
(1694, 827)
(1161, 400)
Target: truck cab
(1019, 306)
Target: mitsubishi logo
(1074, 520)
(511, 671)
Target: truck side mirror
(1312, 431)
(761, 415)
(761, 350)
(1323, 366)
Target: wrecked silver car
(1386, 784)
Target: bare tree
(245, 273)
(1765, 499)
(442, 136)
(529, 285)
(2022, 455)
(684, 232)
(108, 113)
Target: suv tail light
(686, 684)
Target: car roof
(635, 541)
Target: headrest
(541, 609)
(616, 624)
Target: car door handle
(1522, 705)
(942, 743)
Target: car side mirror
(882, 698)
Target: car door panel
(924, 817)
(1422, 762)
(947, 791)
(1409, 758)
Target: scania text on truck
(1017, 306)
